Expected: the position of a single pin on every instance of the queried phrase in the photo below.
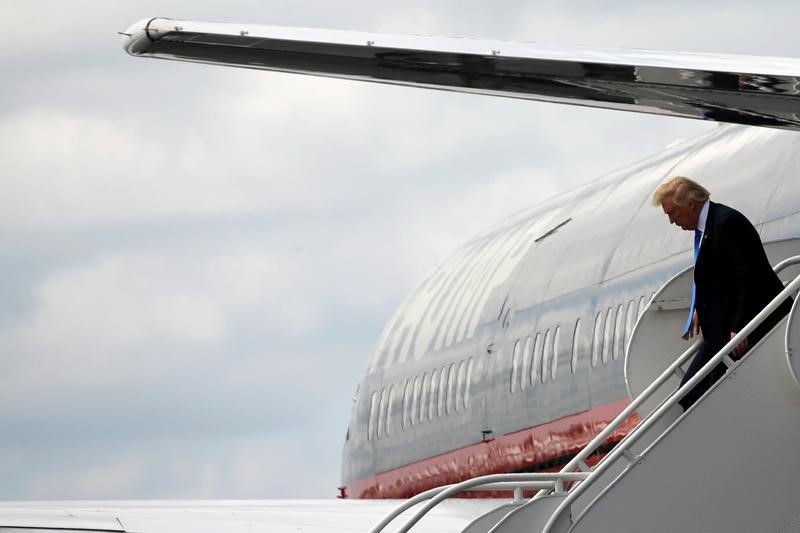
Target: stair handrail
(579, 460)
(789, 261)
(599, 439)
(531, 480)
(430, 493)
(673, 399)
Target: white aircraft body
(510, 356)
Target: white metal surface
(487, 521)
(274, 516)
(534, 517)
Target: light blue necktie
(697, 236)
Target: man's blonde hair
(681, 190)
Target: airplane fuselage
(509, 356)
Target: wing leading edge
(760, 91)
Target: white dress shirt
(701, 222)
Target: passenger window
(619, 334)
(442, 391)
(416, 405)
(537, 359)
(554, 363)
(462, 374)
(373, 414)
(597, 338)
(631, 320)
(468, 387)
(390, 410)
(407, 415)
(516, 355)
(525, 369)
(381, 414)
(423, 398)
(642, 305)
(451, 389)
(573, 363)
(608, 336)
(434, 391)
(547, 351)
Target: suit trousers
(710, 347)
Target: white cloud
(104, 318)
(85, 170)
(116, 478)
(124, 314)
(260, 464)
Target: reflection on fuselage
(509, 356)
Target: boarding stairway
(731, 463)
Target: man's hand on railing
(740, 348)
(694, 329)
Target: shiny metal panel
(738, 89)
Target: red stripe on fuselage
(508, 453)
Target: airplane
(511, 355)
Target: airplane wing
(272, 516)
(760, 91)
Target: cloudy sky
(196, 262)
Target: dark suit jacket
(733, 278)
